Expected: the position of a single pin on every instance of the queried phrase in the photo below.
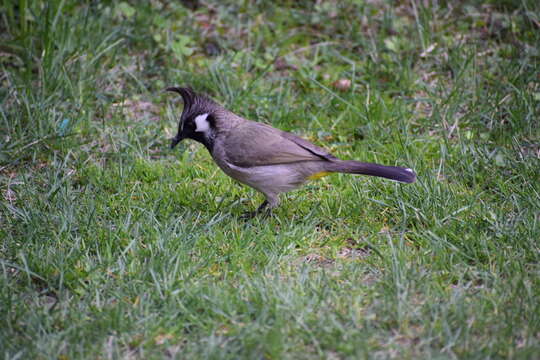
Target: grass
(113, 246)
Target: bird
(265, 158)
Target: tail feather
(389, 172)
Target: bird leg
(263, 209)
(262, 206)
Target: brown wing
(256, 144)
(319, 151)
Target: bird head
(197, 121)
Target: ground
(114, 246)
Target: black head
(197, 121)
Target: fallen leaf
(429, 50)
(161, 339)
(10, 195)
(282, 64)
(342, 84)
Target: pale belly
(273, 179)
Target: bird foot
(262, 210)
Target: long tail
(390, 172)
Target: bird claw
(262, 210)
(248, 215)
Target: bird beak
(176, 140)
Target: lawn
(114, 246)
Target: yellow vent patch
(319, 175)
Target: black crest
(193, 102)
(188, 96)
(194, 105)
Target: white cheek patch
(201, 124)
